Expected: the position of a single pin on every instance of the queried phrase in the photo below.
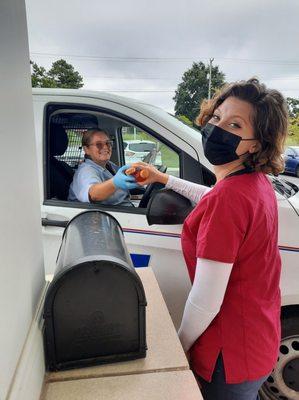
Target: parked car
(60, 112)
(138, 150)
(291, 158)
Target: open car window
(143, 146)
(64, 153)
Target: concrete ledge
(177, 385)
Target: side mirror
(167, 207)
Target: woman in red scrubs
(231, 321)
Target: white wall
(21, 259)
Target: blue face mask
(220, 145)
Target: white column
(21, 258)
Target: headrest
(58, 140)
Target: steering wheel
(152, 188)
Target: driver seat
(61, 174)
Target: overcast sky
(140, 48)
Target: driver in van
(97, 179)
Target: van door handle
(54, 222)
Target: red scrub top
(237, 222)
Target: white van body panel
(161, 242)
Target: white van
(61, 116)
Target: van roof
(87, 93)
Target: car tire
(283, 383)
(297, 172)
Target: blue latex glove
(123, 181)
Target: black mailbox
(95, 305)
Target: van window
(63, 147)
(142, 146)
(74, 153)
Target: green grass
(169, 157)
(293, 138)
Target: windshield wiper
(292, 185)
(281, 188)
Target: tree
(194, 89)
(39, 77)
(61, 75)
(65, 75)
(293, 107)
(293, 137)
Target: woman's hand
(154, 174)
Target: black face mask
(220, 145)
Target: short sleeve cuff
(84, 194)
(225, 256)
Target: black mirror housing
(167, 207)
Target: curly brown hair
(270, 121)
